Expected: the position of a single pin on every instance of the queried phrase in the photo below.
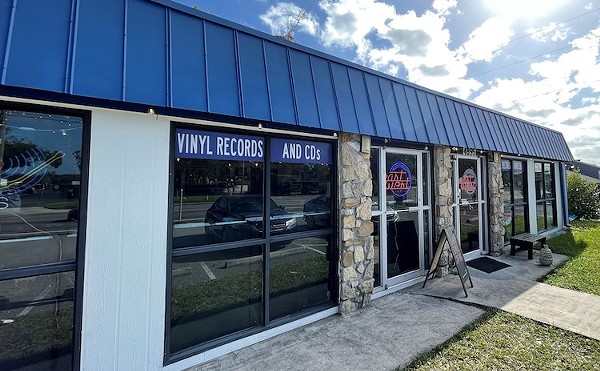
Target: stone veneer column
(443, 193)
(356, 189)
(496, 204)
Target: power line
(524, 36)
(556, 91)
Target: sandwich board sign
(448, 236)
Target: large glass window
(514, 177)
(252, 236)
(545, 195)
(40, 190)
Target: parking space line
(41, 296)
(209, 273)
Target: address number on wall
(469, 152)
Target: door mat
(487, 265)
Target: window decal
(468, 182)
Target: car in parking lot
(236, 217)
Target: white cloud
(547, 96)
(485, 41)
(553, 32)
(280, 18)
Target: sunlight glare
(524, 8)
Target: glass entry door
(400, 214)
(469, 204)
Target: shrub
(584, 197)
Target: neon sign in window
(399, 179)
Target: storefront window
(515, 197)
(545, 184)
(226, 230)
(40, 190)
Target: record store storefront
(251, 186)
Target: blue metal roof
(162, 54)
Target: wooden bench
(526, 240)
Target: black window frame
(543, 201)
(511, 204)
(76, 266)
(265, 241)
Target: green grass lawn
(582, 271)
(504, 341)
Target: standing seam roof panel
(391, 109)
(468, 132)
(306, 100)
(324, 91)
(428, 122)
(142, 58)
(415, 114)
(437, 119)
(187, 59)
(360, 97)
(253, 78)
(221, 70)
(490, 135)
(38, 55)
(344, 98)
(280, 83)
(494, 132)
(402, 104)
(508, 143)
(98, 72)
(481, 128)
(447, 122)
(376, 102)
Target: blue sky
(538, 60)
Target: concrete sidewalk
(515, 289)
(396, 328)
(389, 333)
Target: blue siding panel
(485, 130)
(223, 92)
(415, 114)
(478, 143)
(39, 45)
(304, 88)
(428, 121)
(280, 85)
(529, 131)
(253, 76)
(438, 122)
(361, 102)
(391, 109)
(376, 100)
(326, 101)
(522, 130)
(187, 63)
(516, 135)
(98, 69)
(408, 127)
(146, 54)
(506, 133)
(345, 99)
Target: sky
(538, 60)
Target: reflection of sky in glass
(49, 133)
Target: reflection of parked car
(73, 214)
(322, 206)
(236, 217)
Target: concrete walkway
(399, 326)
(514, 289)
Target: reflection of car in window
(236, 217)
(318, 212)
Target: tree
(583, 196)
(292, 22)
